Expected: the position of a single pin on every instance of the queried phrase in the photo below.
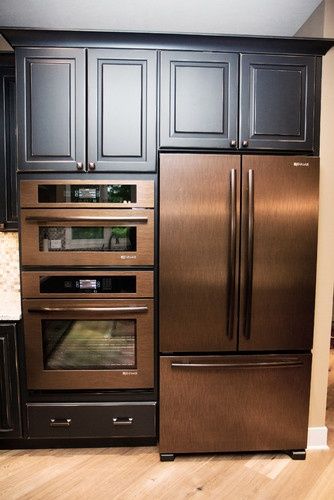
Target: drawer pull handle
(255, 364)
(122, 421)
(63, 422)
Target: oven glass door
(83, 344)
(86, 194)
(87, 237)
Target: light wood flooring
(129, 473)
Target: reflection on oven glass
(83, 193)
(85, 239)
(89, 345)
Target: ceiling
(239, 17)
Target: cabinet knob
(244, 144)
(80, 166)
(91, 165)
(233, 144)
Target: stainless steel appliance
(238, 241)
(71, 223)
(101, 341)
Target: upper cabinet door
(277, 102)
(199, 100)
(8, 199)
(51, 109)
(121, 110)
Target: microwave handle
(138, 309)
(88, 218)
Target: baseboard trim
(317, 438)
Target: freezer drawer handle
(88, 218)
(250, 246)
(122, 421)
(255, 364)
(232, 255)
(60, 422)
(140, 309)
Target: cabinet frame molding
(75, 58)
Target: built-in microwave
(78, 223)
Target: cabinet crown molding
(230, 43)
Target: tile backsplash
(9, 263)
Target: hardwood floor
(129, 473)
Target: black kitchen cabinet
(10, 420)
(8, 203)
(277, 102)
(278, 106)
(121, 116)
(121, 110)
(199, 99)
(51, 108)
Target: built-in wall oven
(88, 311)
(102, 339)
(78, 223)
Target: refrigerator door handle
(232, 254)
(250, 246)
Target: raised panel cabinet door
(10, 421)
(279, 228)
(199, 228)
(277, 102)
(199, 100)
(122, 110)
(51, 108)
(8, 188)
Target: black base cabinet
(91, 420)
(233, 403)
(10, 419)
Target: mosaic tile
(9, 263)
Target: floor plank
(129, 473)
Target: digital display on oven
(87, 193)
(87, 284)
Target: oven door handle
(139, 309)
(88, 218)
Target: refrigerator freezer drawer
(234, 403)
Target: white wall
(322, 21)
(257, 17)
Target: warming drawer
(234, 403)
(81, 420)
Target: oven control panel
(88, 284)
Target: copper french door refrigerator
(238, 241)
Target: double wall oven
(87, 252)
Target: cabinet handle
(61, 422)
(80, 166)
(233, 144)
(91, 165)
(244, 144)
(122, 421)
